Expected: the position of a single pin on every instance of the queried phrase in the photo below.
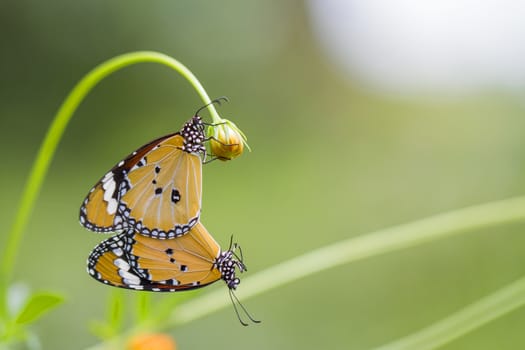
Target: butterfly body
(156, 190)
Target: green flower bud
(226, 140)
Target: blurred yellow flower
(151, 341)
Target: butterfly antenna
(209, 160)
(240, 257)
(231, 243)
(217, 101)
(234, 297)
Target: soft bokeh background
(360, 117)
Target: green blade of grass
(357, 248)
(465, 320)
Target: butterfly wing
(143, 263)
(187, 260)
(156, 191)
(162, 198)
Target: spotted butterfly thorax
(143, 263)
(155, 191)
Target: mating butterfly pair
(153, 198)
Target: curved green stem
(54, 134)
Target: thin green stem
(115, 311)
(142, 307)
(481, 312)
(53, 136)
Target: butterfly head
(226, 263)
(193, 134)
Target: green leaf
(37, 305)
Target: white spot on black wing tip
(118, 252)
(121, 264)
(112, 206)
(118, 220)
(193, 221)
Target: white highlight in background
(412, 46)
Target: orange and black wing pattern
(143, 263)
(155, 191)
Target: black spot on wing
(175, 195)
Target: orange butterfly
(156, 190)
(171, 265)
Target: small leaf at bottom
(37, 305)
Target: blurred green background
(331, 159)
